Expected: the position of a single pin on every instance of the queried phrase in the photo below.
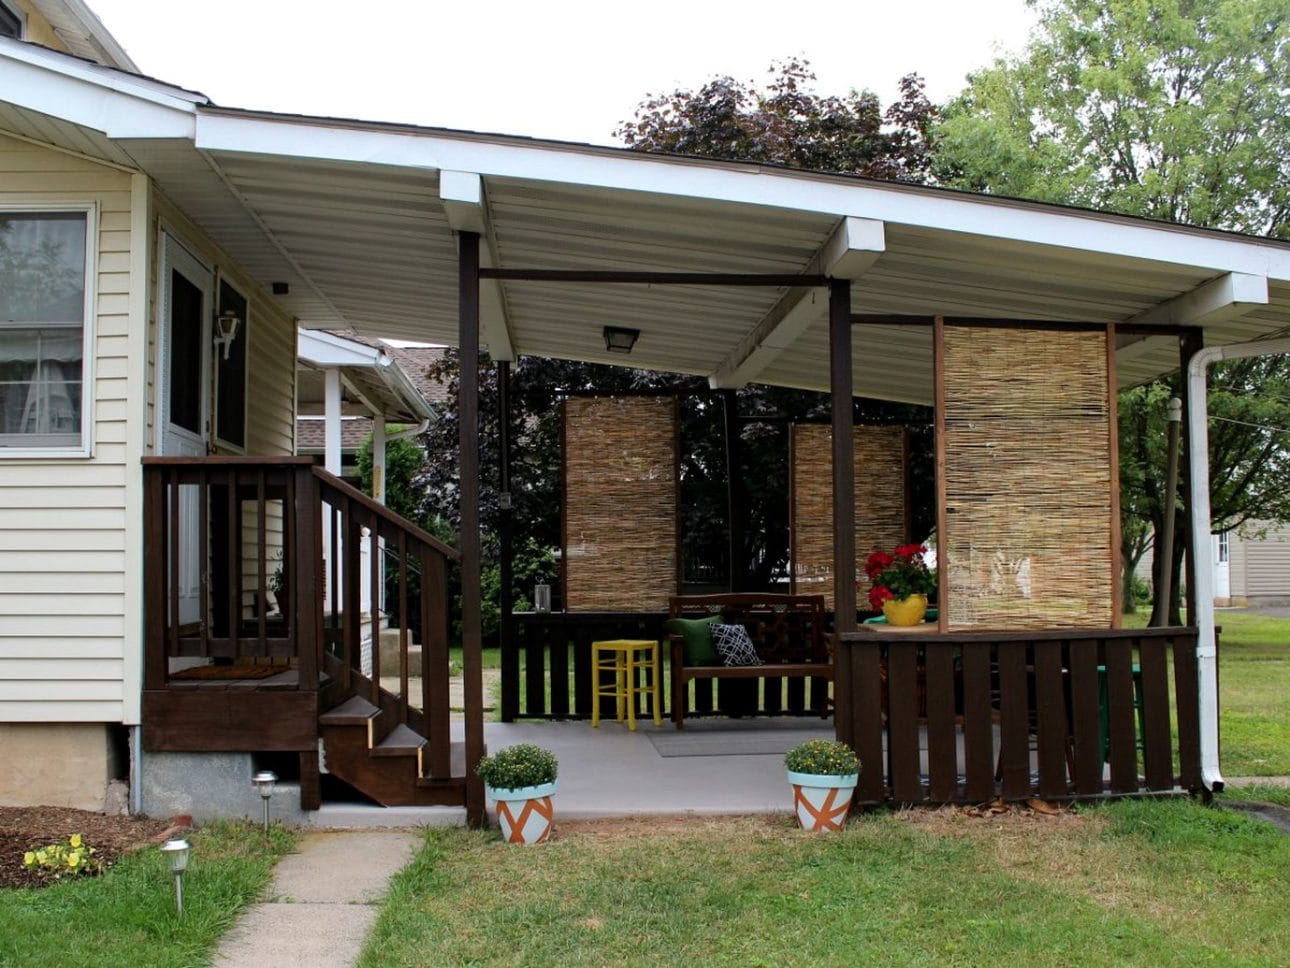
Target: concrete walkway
(323, 901)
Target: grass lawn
(1254, 694)
(127, 918)
(1143, 882)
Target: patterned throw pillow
(734, 645)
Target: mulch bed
(27, 828)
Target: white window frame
(244, 332)
(37, 207)
(1224, 554)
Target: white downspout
(1202, 547)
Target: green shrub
(522, 765)
(824, 757)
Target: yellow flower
(73, 859)
(75, 840)
(28, 859)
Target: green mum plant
(822, 757)
(522, 765)
(70, 858)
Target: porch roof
(359, 218)
(372, 382)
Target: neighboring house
(1251, 566)
(158, 255)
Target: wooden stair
(368, 748)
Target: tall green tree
(1167, 109)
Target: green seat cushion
(696, 634)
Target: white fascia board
(747, 184)
(462, 196)
(1227, 297)
(118, 104)
(854, 246)
(329, 350)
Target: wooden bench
(788, 632)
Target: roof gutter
(1201, 524)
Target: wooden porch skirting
(1058, 714)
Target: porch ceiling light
(226, 324)
(619, 339)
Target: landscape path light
(176, 850)
(264, 781)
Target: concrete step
(390, 654)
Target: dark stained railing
(219, 533)
(546, 670)
(964, 717)
(225, 536)
(408, 578)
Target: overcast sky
(564, 69)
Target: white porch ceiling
(349, 215)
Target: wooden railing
(408, 577)
(262, 559)
(219, 532)
(964, 717)
(546, 670)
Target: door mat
(738, 738)
(204, 673)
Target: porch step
(354, 711)
(457, 764)
(372, 751)
(402, 741)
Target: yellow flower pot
(905, 611)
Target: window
(1224, 547)
(42, 329)
(10, 23)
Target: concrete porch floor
(609, 771)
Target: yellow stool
(622, 658)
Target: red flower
(876, 562)
(879, 594)
(909, 550)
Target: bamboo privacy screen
(881, 495)
(1025, 442)
(620, 503)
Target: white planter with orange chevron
(822, 802)
(525, 814)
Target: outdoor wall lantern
(264, 781)
(226, 324)
(176, 851)
(619, 339)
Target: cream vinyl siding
(63, 521)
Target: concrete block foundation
(210, 786)
(57, 764)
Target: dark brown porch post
(844, 489)
(468, 414)
(506, 594)
(736, 517)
